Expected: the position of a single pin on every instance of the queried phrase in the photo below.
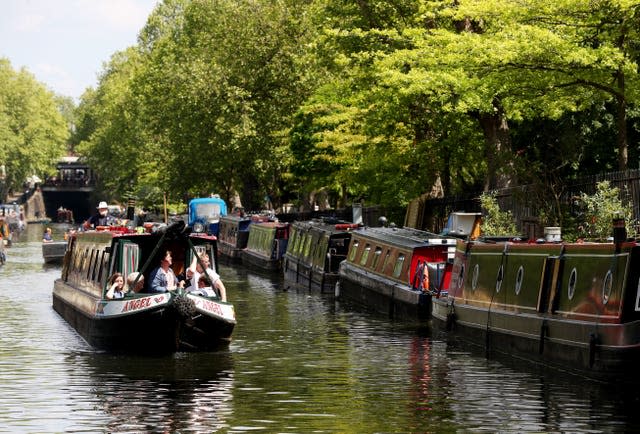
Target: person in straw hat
(101, 218)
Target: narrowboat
(573, 306)
(314, 253)
(53, 251)
(266, 245)
(233, 236)
(205, 214)
(395, 271)
(140, 322)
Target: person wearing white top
(195, 270)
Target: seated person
(47, 238)
(116, 287)
(204, 288)
(133, 285)
(163, 279)
(195, 270)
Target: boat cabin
(205, 214)
(416, 258)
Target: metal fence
(525, 202)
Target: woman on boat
(163, 279)
(47, 238)
(116, 287)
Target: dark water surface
(299, 363)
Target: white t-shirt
(196, 276)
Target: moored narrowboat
(314, 253)
(233, 236)
(266, 246)
(170, 321)
(574, 306)
(395, 271)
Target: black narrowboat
(140, 322)
(233, 237)
(266, 246)
(314, 253)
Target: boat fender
(593, 342)
(451, 321)
(184, 306)
(544, 332)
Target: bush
(494, 221)
(599, 211)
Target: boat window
(376, 257)
(293, 242)
(386, 261)
(104, 263)
(85, 259)
(474, 279)
(571, 288)
(90, 263)
(519, 278)
(323, 248)
(607, 285)
(638, 296)
(365, 254)
(499, 278)
(461, 276)
(397, 269)
(95, 255)
(352, 252)
(307, 245)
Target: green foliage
(377, 101)
(494, 220)
(33, 132)
(601, 208)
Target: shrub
(494, 221)
(600, 209)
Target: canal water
(298, 363)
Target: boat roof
(404, 237)
(331, 226)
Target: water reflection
(178, 393)
(298, 362)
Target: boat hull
(229, 252)
(256, 260)
(382, 295)
(306, 276)
(571, 307)
(149, 323)
(53, 252)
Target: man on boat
(102, 218)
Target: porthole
(571, 288)
(607, 285)
(461, 277)
(519, 278)
(499, 278)
(474, 279)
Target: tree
(33, 132)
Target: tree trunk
(500, 173)
(621, 121)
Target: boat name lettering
(211, 307)
(137, 304)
